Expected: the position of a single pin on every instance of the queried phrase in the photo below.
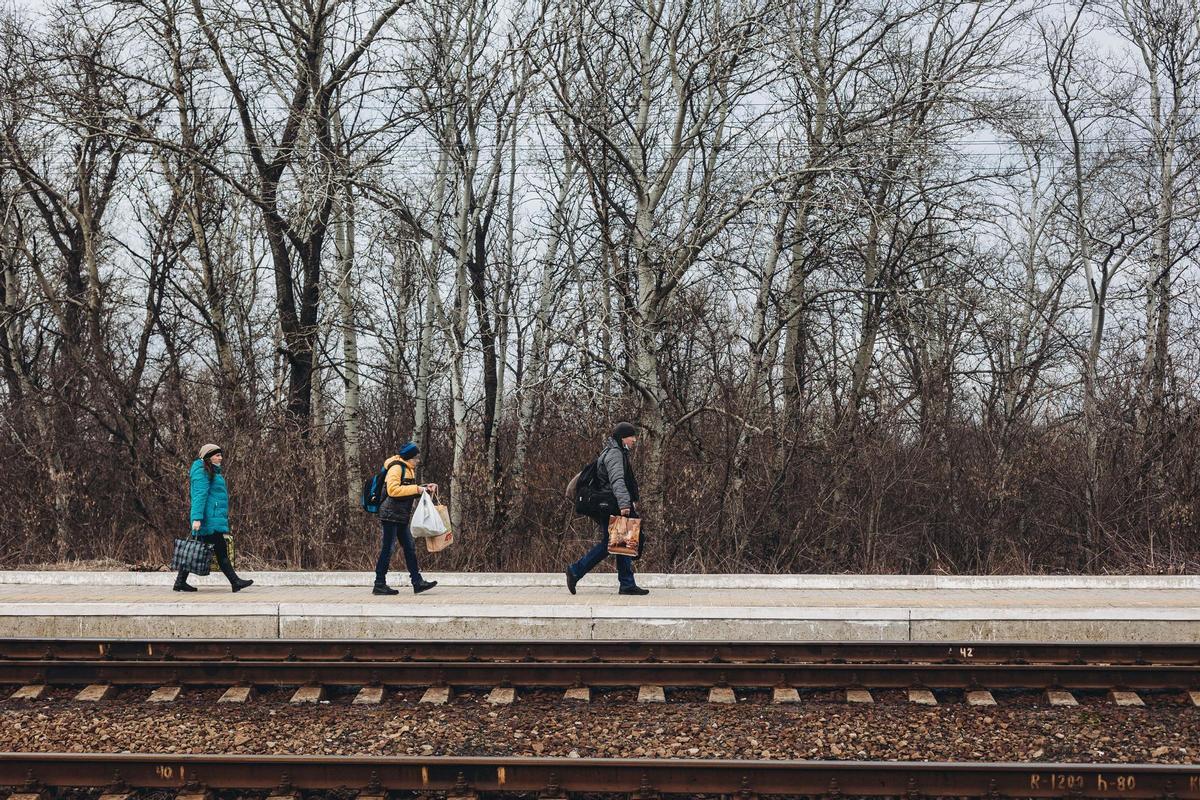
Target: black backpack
(590, 494)
(374, 490)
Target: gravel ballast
(1021, 728)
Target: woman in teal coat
(210, 514)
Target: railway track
(554, 778)
(820, 665)
(608, 663)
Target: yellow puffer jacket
(402, 490)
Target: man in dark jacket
(616, 475)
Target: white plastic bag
(426, 521)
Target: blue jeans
(594, 556)
(391, 532)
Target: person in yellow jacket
(395, 511)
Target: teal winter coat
(210, 500)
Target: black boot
(381, 587)
(235, 583)
(181, 584)
(423, 586)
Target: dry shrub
(966, 500)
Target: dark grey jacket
(617, 473)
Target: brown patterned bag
(625, 536)
(443, 540)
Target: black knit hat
(624, 429)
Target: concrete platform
(296, 605)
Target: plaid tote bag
(192, 555)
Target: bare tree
(551, 283)
(673, 78)
(1166, 35)
(292, 152)
(203, 138)
(56, 137)
(890, 287)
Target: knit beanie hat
(209, 450)
(624, 429)
(409, 449)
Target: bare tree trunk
(536, 371)
(1061, 59)
(505, 309)
(456, 335)
(344, 240)
(279, 384)
(424, 373)
(795, 352)
(433, 308)
(458, 403)
(653, 419)
(1158, 296)
(757, 392)
(869, 310)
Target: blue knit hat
(409, 449)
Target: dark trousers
(391, 532)
(221, 550)
(597, 554)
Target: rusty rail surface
(526, 674)
(556, 777)
(602, 664)
(604, 650)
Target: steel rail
(555, 777)
(602, 650)
(600, 674)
